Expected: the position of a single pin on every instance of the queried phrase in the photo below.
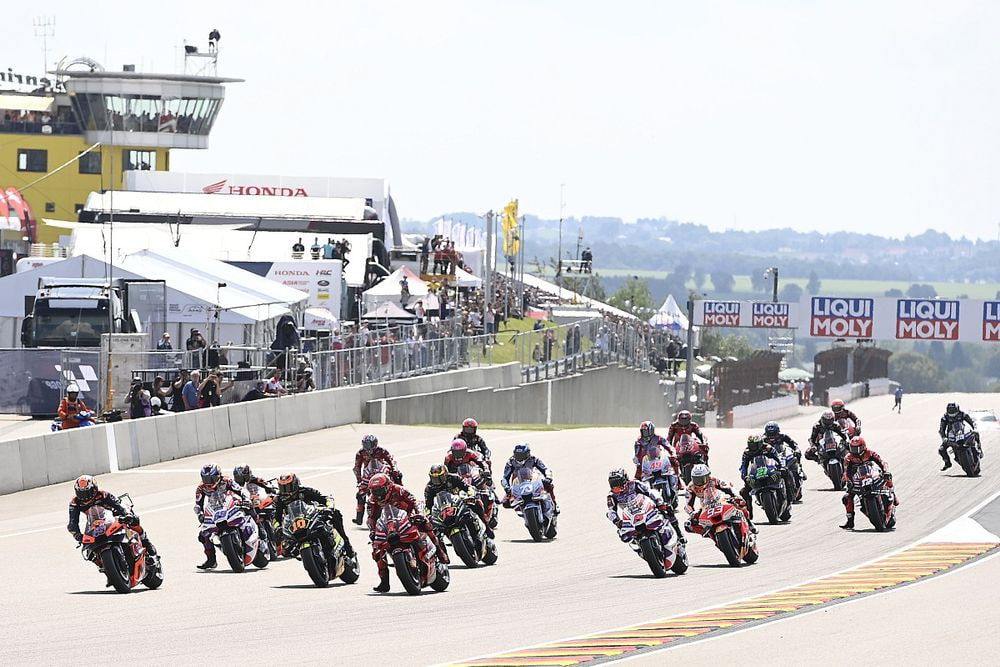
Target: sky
(829, 115)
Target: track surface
(584, 581)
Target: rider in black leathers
(952, 415)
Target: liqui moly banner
(927, 319)
(749, 314)
(991, 321)
(839, 317)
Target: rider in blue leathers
(773, 436)
(624, 489)
(522, 458)
(757, 447)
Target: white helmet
(71, 388)
(155, 401)
(700, 474)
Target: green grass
(513, 349)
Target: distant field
(831, 286)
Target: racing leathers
(225, 485)
(677, 429)
(531, 463)
(378, 454)
(851, 464)
(848, 414)
(633, 488)
(642, 447)
(478, 445)
(765, 450)
(786, 440)
(818, 430)
(946, 422)
(453, 482)
(695, 493)
(310, 495)
(398, 497)
(107, 501)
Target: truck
(75, 312)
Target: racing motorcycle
(647, 531)
(228, 524)
(767, 484)
(263, 503)
(118, 550)
(534, 504)
(481, 481)
(451, 516)
(370, 469)
(658, 474)
(962, 441)
(830, 454)
(875, 497)
(793, 482)
(847, 426)
(688, 455)
(309, 529)
(724, 523)
(412, 555)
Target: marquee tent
(669, 316)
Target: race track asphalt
(57, 608)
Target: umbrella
(793, 374)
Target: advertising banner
(750, 314)
(320, 279)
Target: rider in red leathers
(858, 453)
(840, 411)
(648, 438)
(384, 492)
(702, 481)
(369, 451)
(684, 424)
(470, 434)
(460, 453)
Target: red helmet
(469, 426)
(837, 406)
(684, 417)
(458, 448)
(647, 430)
(858, 446)
(379, 485)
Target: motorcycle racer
(290, 490)
(439, 479)
(475, 441)
(857, 454)
(684, 424)
(212, 481)
(826, 422)
(756, 447)
(773, 436)
(952, 415)
(840, 411)
(86, 496)
(522, 458)
(370, 450)
(624, 489)
(648, 439)
(702, 481)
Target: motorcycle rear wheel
(680, 565)
(653, 557)
(232, 547)
(442, 578)
(116, 568)
(315, 564)
(407, 577)
(352, 570)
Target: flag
(511, 233)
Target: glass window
(138, 160)
(50, 207)
(32, 160)
(90, 163)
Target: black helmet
(522, 452)
(684, 417)
(242, 474)
(755, 443)
(952, 409)
(288, 484)
(772, 429)
(827, 418)
(85, 488)
(437, 474)
(211, 475)
(369, 442)
(617, 479)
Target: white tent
(247, 308)
(387, 310)
(466, 279)
(319, 318)
(390, 288)
(670, 316)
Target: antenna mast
(45, 27)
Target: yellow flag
(511, 233)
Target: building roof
(15, 102)
(248, 207)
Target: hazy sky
(880, 116)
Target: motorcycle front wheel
(409, 578)
(876, 514)
(232, 547)
(463, 548)
(729, 546)
(653, 557)
(532, 517)
(315, 564)
(116, 568)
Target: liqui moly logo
(256, 190)
(837, 317)
(927, 319)
(770, 315)
(722, 313)
(991, 320)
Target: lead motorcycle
(533, 503)
(647, 531)
(117, 549)
(830, 454)
(658, 474)
(452, 517)
(370, 469)
(413, 556)
(688, 455)
(769, 488)
(232, 529)
(721, 521)
(309, 529)
(962, 441)
(875, 497)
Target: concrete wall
(62, 456)
(755, 414)
(876, 387)
(609, 395)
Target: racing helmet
(437, 474)
(827, 418)
(469, 426)
(85, 488)
(155, 402)
(755, 444)
(369, 442)
(210, 476)
(837, 406)
(242, 474)
(700, 475)
(952, 409)
(459, 448)
(288, 485)
(647, 430)
(72, 391)
(379, 485)
(772, 429)
(684, 417)
(858, 446)
(617, 479)
(522, 452)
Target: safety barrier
(755, 414)
(854, 390)
(58, 457)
